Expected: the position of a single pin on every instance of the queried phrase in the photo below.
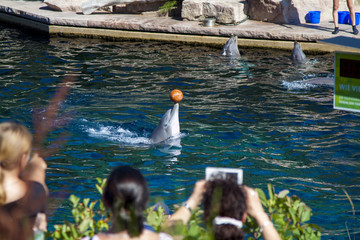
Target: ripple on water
(254, 113)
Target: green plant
(289, 215)
(168, 5)
(191, 231)
(156, 219)
(84, 214)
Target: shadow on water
(251, 114)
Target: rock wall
(292, 11)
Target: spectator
(23, 191)
(352, 16)
(126, 194)
(226, 205)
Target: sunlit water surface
(255, 113)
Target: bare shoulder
(158, 236)
(149, 235)
(146, 235)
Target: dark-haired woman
(226, 205)
(126, 194)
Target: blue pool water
(255, 113)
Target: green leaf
(101, 185)
(74, 233)
(57, 234)
(75, 214)
(63, 233)
(296, 202)
(301, 208)
(261, 196)
(271, 191)
(74, 200)
(84, 225)
(283, 193)
(194, 230)
(279, 219)
(296, 232)
(306, 214)
(292, 215)
(92, 204)
(99, 189)
(86, 201)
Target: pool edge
(115, 34)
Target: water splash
(297, 85)
(116, 134)
(120, 134)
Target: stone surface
(259, 33)
(224, 11)
(292, 11)
(136, 6)
(65, 5)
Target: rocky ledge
(223, 11)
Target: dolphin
(231, 47)
(168, 127)
(297, 55)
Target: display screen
(347, 81)
(349, 68)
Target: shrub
(84, 214)
(289, 215)
(168, 6)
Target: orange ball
(176, 95)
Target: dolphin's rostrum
(168, 127)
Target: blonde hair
(15, 140)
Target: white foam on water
(122, 135)
(297, 85)
(116, 134)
